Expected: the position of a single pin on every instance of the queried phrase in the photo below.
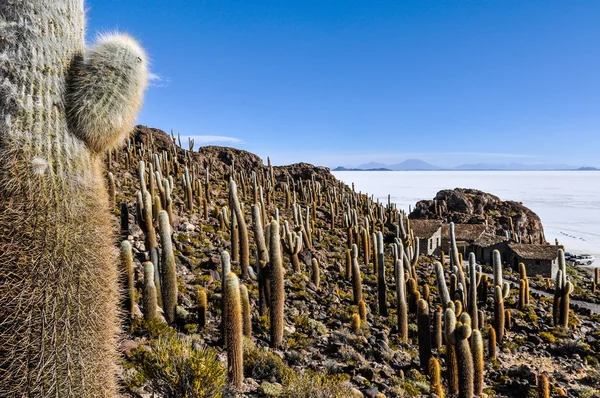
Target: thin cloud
(156, 80)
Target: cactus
(348, 264)
(499, 314)
(292, 243)
(112, 191)
(451, 359)
(149, 294)
(362, 311)
(401, 306)
(424, 333)
(558, 288)
(492, 342)
(381, 287)
(59, 116)
(441, 284)
(225, 269)
(246, 311)
(316, 275)
(564, 305)
(202, 307)
(263, 259)
(497, 262)
(236, 208)
(127, 263)
(472, 301)
(464, 357)
(543, 386)
(435, 381)
(169, 277)
(478, 362)
(234, 331)
(436, 340)
(413, 295)
(277, 287)
(356, 277)
(483, 290)
(522, 294)
(355, 323)
(481, 319)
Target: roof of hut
(535, 252)
(425, 228)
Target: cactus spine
(246, 311)
(234, 331)
(424, 333)
(356, 277)
(127, 263)
(277, 288)
(236, 207)
(478, 362)
(381, 288)
(56, 261)
(202, 307)
(149, 294)
(169, 277)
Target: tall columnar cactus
(564, 305)
(246, 311)
(316, 274)
(424, 329)
(451, 359)
(478, 362)
(543, 386)
(61, 110)
(381, 287)
(472, 301)
(441, 284)
(499, 314)
(236, 207)
(202, 301)
(401, 306)
(127, 265)
(169, 276)
(362, 311)
(277, 287)
(435, 381)
(356, 277)
(263, 259)
(492, 344)
(149, 293)
(525, 289)
(234, 331)
(292, 243)
(464, 357)
(436, 337)
(558, 289)
(497, 262)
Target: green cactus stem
(234, 331)
(149, 294)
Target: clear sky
(348, 82)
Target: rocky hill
(471, 206)
(347, 331)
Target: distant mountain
(371, 166)
(585, 168)
(413, 164)
(342, 168)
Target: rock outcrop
(471, 206)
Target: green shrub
(174, 368)
(310, 384)
(548, 337)
(262, 364)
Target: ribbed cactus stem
(362, 311)
(149, 293)
(381, 287)
(356, 277)
(263, 259)
(543, 386)
(246, 311)
(451, 359)
(355, 323)
(225, 270)
(478, 362)
(112, 191)
(558, 294)
(492, 344)
(453, 248)
(437, 336)
(202, 301)
(499, 315)
(435, 381)
(234, 331)
(401, 305)
(236, 207)
(472, 301)
(564, 305)
(316, 274)
(148, 225)
(424, 329)
(127, 265)
(277, 286)
(464, 357)
(497, 263)
(58, 117)
(441, 284)
(169, 276)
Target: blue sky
(348, 82)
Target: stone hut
(486, 243)
(466, 235)
(538, 259)
(429, 233)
